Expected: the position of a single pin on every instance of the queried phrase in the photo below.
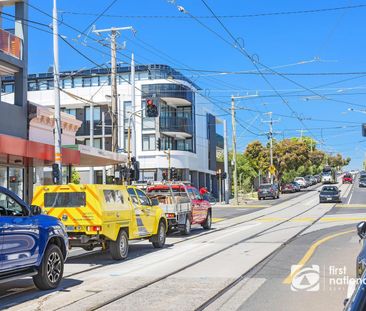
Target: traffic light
(135, 171)
(151, 108)
(224, 175)
(158, 144)
(173, 173)
(56, 173)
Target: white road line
(350, 197)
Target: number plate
(329, 199)
(70, 228)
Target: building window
(95, 81)
(97, 142)
(86, 82)
(8, 88)
(127, 110)
(71, 111)
(67, 83)
(32, 86)
(124, 78)
(148, 175)
(43, 85)
(148, 142)
(96, 113)
(104, 80)
(78, 82)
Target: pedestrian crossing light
(151, 108)
(56, 173)
(158, 144)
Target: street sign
(272, 169)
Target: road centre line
(310, 252)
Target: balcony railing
(178, 124)
(10, 44)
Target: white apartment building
(186, 124)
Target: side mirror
(361, 229)
(345, 301)
(154, 202)
(35, 210)
(339, 191)
(318, 190)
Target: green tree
(75, 176)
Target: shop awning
(92, 157)
(15, 146)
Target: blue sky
(325, 42)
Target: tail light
(170, 215)
(94, 228)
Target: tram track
(298, 199)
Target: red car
(288, 188)
(347, 179)
(180, 215)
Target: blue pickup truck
(31, 244)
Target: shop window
(16, 180)
(4, 177)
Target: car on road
(183, 206)
(318, 178)
(106, 216)
(362, 181)
(329, 194)
(32, 244)
(301, 181)
(268, 191)
(347, 178)
(296, 186)
(288, 188)
(311, 179)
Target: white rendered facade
(185, 125)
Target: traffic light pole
(169, 163)
(57, 116)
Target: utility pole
(114, 33)
(270, 122)
(103, 144)
(91, 139)
(233, 126)
(226, 166)
(56, 90)
(133, 101)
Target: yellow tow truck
(104, 215)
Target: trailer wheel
(187, 226)
(119, 248)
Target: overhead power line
(264, 14)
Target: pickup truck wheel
(51, 270)
(187, 227)
(119, 248)
(160, 236)
(208, 222)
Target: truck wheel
(119, 248)
(51, 269)
(187, 226)
(160, 236)
(208, 222)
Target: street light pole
(233, 125)
(226, 166)
(56, 90)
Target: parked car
(268, 191)
(347, 178)
(296, 186)
(318, 178)
(301, 181)
(362, 181)
(357, 302)
(182, 206)
(311, 179)
(288, 188)
(104, 215)
(329, 194)
(361, 258)
(32, 244)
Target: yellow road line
(217, 219)
(310, 252)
